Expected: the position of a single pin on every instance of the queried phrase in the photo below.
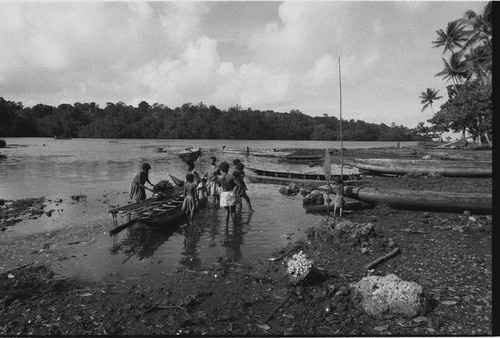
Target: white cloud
(325, 70)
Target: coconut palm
(428, 97)
(479, 63)
(454, 69)
(481, 27)
(479, 41)
(454, 37)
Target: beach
(448, 254)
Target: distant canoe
(189, 154)
(441, 167)
(234, 151)
(423, 200)
(61, 138)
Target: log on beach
(424, 200)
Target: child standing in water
(213, 185)
(190, 196)
(242, 187)
(198, 181)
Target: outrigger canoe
(384, 166)
(423, 200)
(154, 212)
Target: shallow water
(102, 170)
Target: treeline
(186, 122)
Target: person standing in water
(228, 193)
(138, 188)
(242, 187)
(213, 187)
(190, 196)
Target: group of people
(227, 190)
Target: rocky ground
(448, 254)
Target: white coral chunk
(299, 267)
(389, 294)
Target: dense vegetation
(469, 42)
(186, 122)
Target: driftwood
(382, 259)
(277, 308)
(119, 228)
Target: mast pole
(341, 141)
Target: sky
(262, 55)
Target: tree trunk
(488, 139)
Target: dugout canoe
(155, 212)
(423, 200)
(457, 168)
(270, 153)
(302, 175)
(302, 158)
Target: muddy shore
(448, 254)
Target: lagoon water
(102, 170)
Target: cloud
(93, 48)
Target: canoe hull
(424, 200)
(444, 168)
(348, 174)
(166, 219)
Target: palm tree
(428, 97)
(479, 63)
(454, 69)
(454, 37)
(479, 40)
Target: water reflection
(233, 236)
(143, 242)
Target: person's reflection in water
(192, 233)
(233, 239)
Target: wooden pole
(341, 141)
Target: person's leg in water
(245, 196)
(227, 215)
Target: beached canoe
(386, 166)
(315, 175)
(270, 153)
(302, 158)
(423, 200)
(189, 154)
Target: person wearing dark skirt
(138, 189)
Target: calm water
(102, 169)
